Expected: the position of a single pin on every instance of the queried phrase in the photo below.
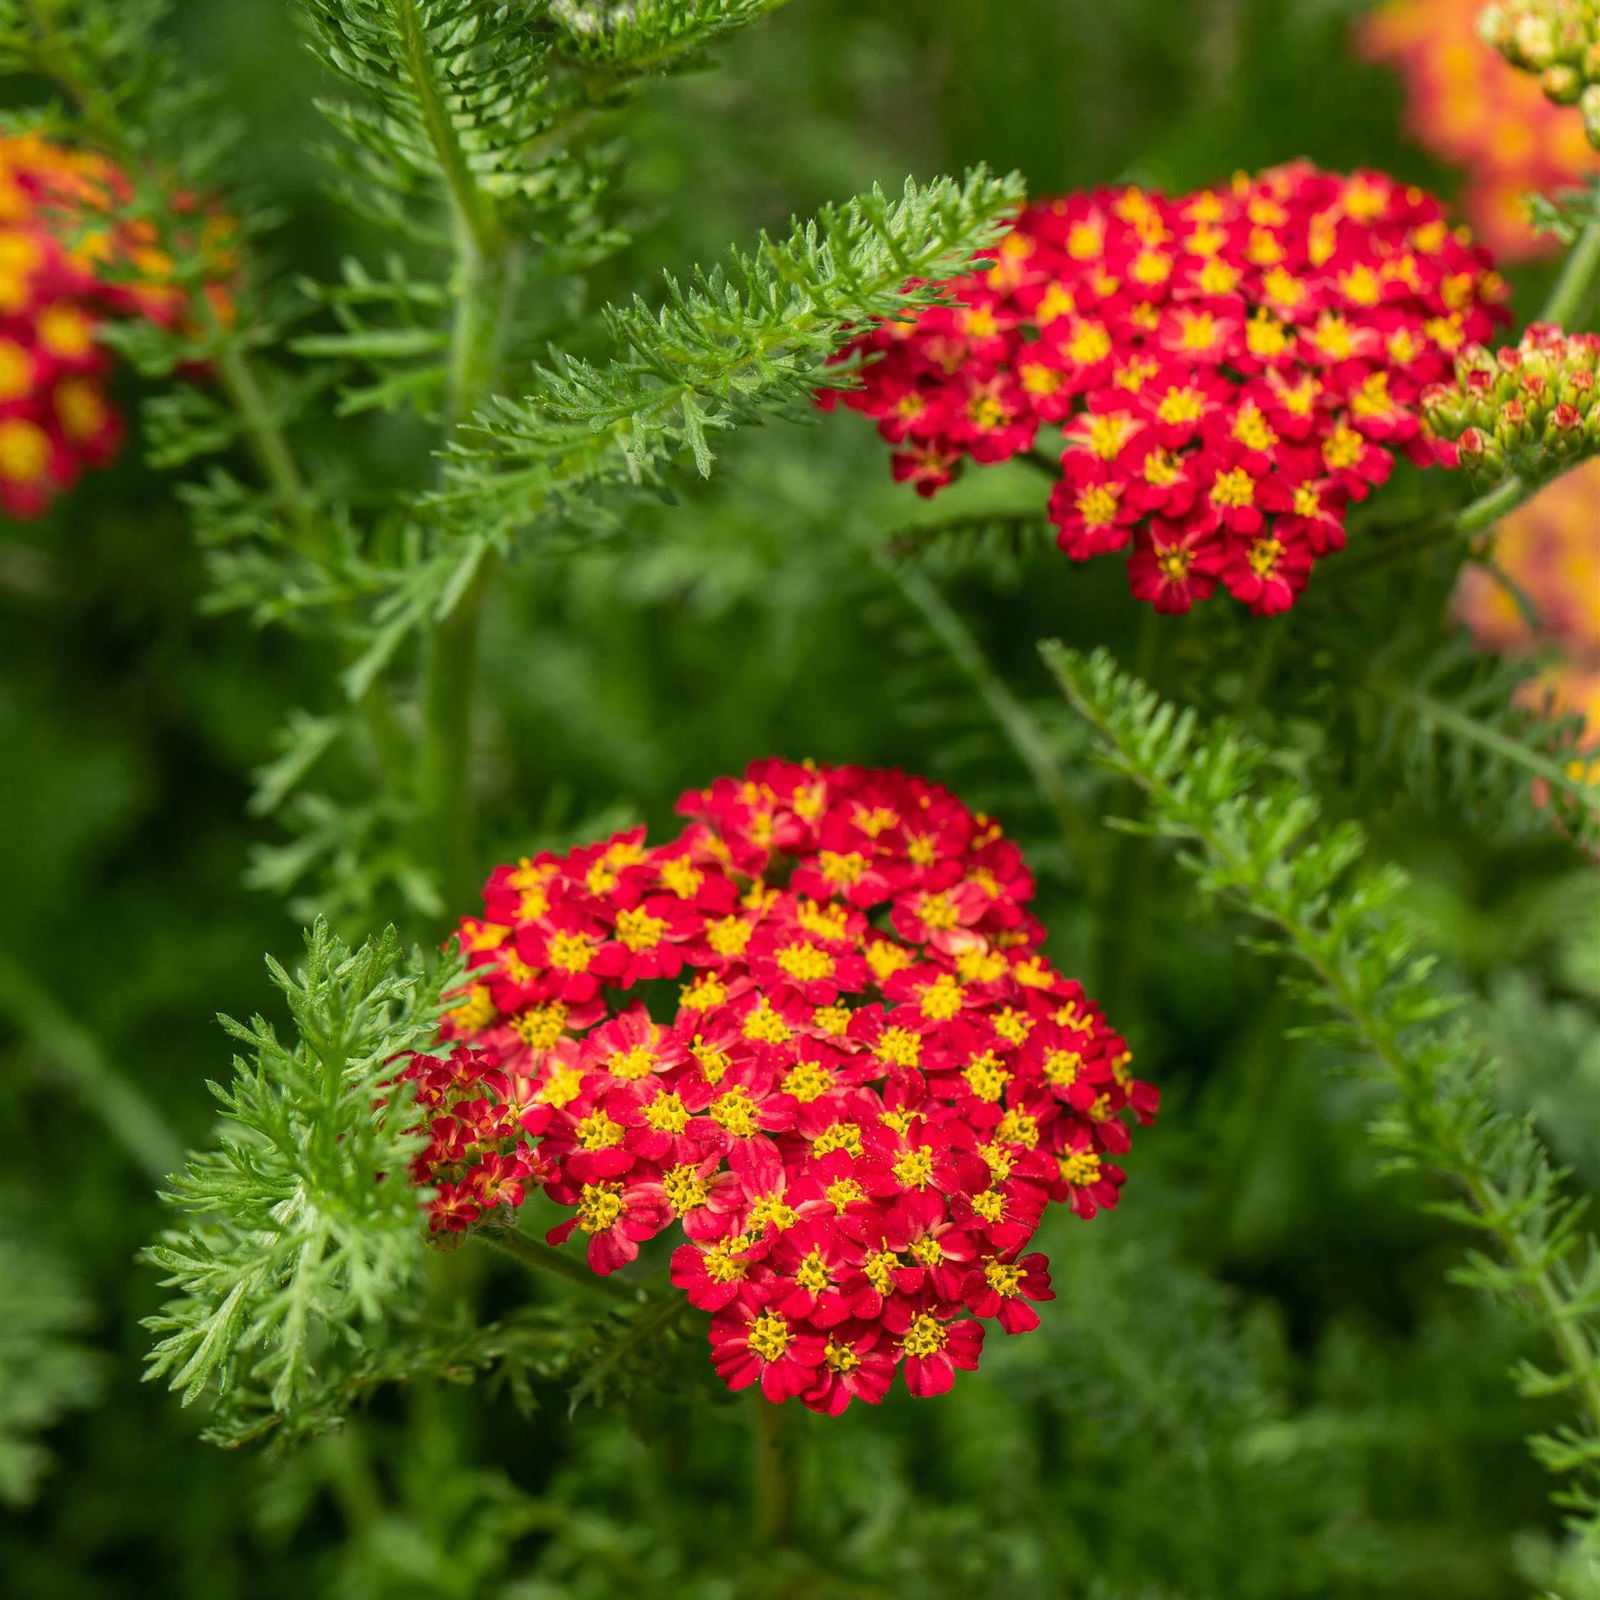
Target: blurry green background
(1256, 1381)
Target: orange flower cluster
(66, 264)
(1548, 552)
(1471, 109)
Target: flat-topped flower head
(869, 1089)
(1229, 370)
(67, 263)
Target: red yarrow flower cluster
(66, 264)
(1229, 370)
(872, 1085)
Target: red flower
(1245, 360)
(872, 1085)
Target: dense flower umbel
(65, 265)
(1464, 103)
(871, 1087)
(1529, 407)
(1230, 369)
(1559, 41)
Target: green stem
(1570, 294)
(535, 1253)
(1122, 908)
(1489, 508)
(1013, 719)
(774, 1471)
(75, 1054)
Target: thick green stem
(445, 815)
(1571, 292)
(774, 1471)
(541, 1257)
(1012, 718)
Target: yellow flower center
(769, 1336)
(736, 1112)
(925, 1337)
(805, 962)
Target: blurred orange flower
(1473, 110)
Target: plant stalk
(774, 1471)
(541, 1257)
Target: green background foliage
(1257, 1380)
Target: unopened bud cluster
(1528, 408)
(1559, 40)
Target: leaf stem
(774, 1471)
(1014, 720)
(1570, 294)
(541, 1257)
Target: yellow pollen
(772, 1210)
(1012, 1025)
(561, 1085)
(706, 991)
(941, 999)
(666, 1113)
(540, 1026)
(598, 1132)
(634, 1064)
(1161, 468)
(1252, 431)
(65, 332)
(1198, 330)
(599, 1206)
(925, 1337)
(990, 1205)
(878, 1269)
(844, 1136)
(1233, 488)
(843, 1193)
(1181, 405)
(900, 1047)
(841, 1358)
(1062, 1067)
(913, 1169)
(24, 450)
(987, 1076)
(978, 965)
(832, 1019)
(1017, 1127)
(1174, 562)
(1344, 448)
(1098, 505)
(686, 1190)
(1108, 433)
(736, 1111)
(639, 930)
(1003, 1279)
(16, 371)
(682, 877)
(571, 952)
(1333, 337)
(928, 1251)
(1266, 336)
(725, 1261)
(729, 935)
(713, 1062)
(842, 868)
(812, 1273)
(769, 1336)
(476, 1011)
(1091, 343)
(808, 1081)
(829, 922)
(1081, 1167)
(1307, 502)
(766, 1025)
(805, 962)
(1264, 554)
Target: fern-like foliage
(44, 1370)
(1256, 839)
(746, 340)
(1458, 726)
(300, 1231)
